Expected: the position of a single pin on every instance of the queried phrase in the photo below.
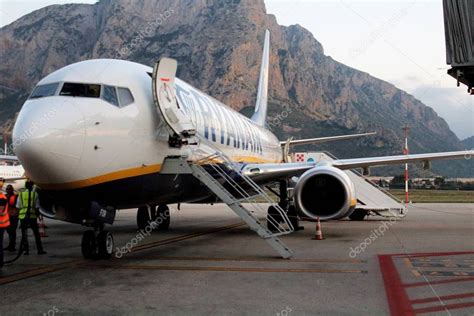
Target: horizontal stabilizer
(325, 139)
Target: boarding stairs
(247, 199)
(212, 167)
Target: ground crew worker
(13, 214)
(4, 223)
(28, 206)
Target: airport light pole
(406, 130)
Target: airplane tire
(358, 215)
(143, 217)
(272, 224)
(105, 244)
(163, 212)
(293, 216)
(89, 245)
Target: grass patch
(436, 196)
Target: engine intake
(325, 192)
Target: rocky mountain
(218, 45)
(468, 142)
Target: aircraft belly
(134, 192)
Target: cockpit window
(125, 97)
(110, 95)
(80, 90)
(119, 97)
(45, 90)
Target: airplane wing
(401, 159)
(270, 172)
(324, 139)
(15, 179)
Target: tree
(439, 181)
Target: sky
(399, 41)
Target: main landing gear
(97, 243)
(286, 204)
(154, 217)
(359, 214)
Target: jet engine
(325, 192)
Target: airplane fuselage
(78, 148)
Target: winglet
(260, 114)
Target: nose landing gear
(97, 244)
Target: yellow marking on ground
(184, 237)
(38, 271)
(234, 269)
(80, 262)
(408, 263)
(247, 259)
(416, 273)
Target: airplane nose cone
(48, 139)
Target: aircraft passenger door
(163, 78)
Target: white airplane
(104, 128)
(12, 172)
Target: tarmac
(209, 262)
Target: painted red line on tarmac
(430, 254)
(433, 254)
(424, 283)
(398, 301)
(442, 298)
(442, 308)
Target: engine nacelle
(325, 192)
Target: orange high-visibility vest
(12, 210)
(12, 201)
(4, 218)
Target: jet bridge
(370, 197)
(459, 33)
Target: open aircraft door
(163, 81)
